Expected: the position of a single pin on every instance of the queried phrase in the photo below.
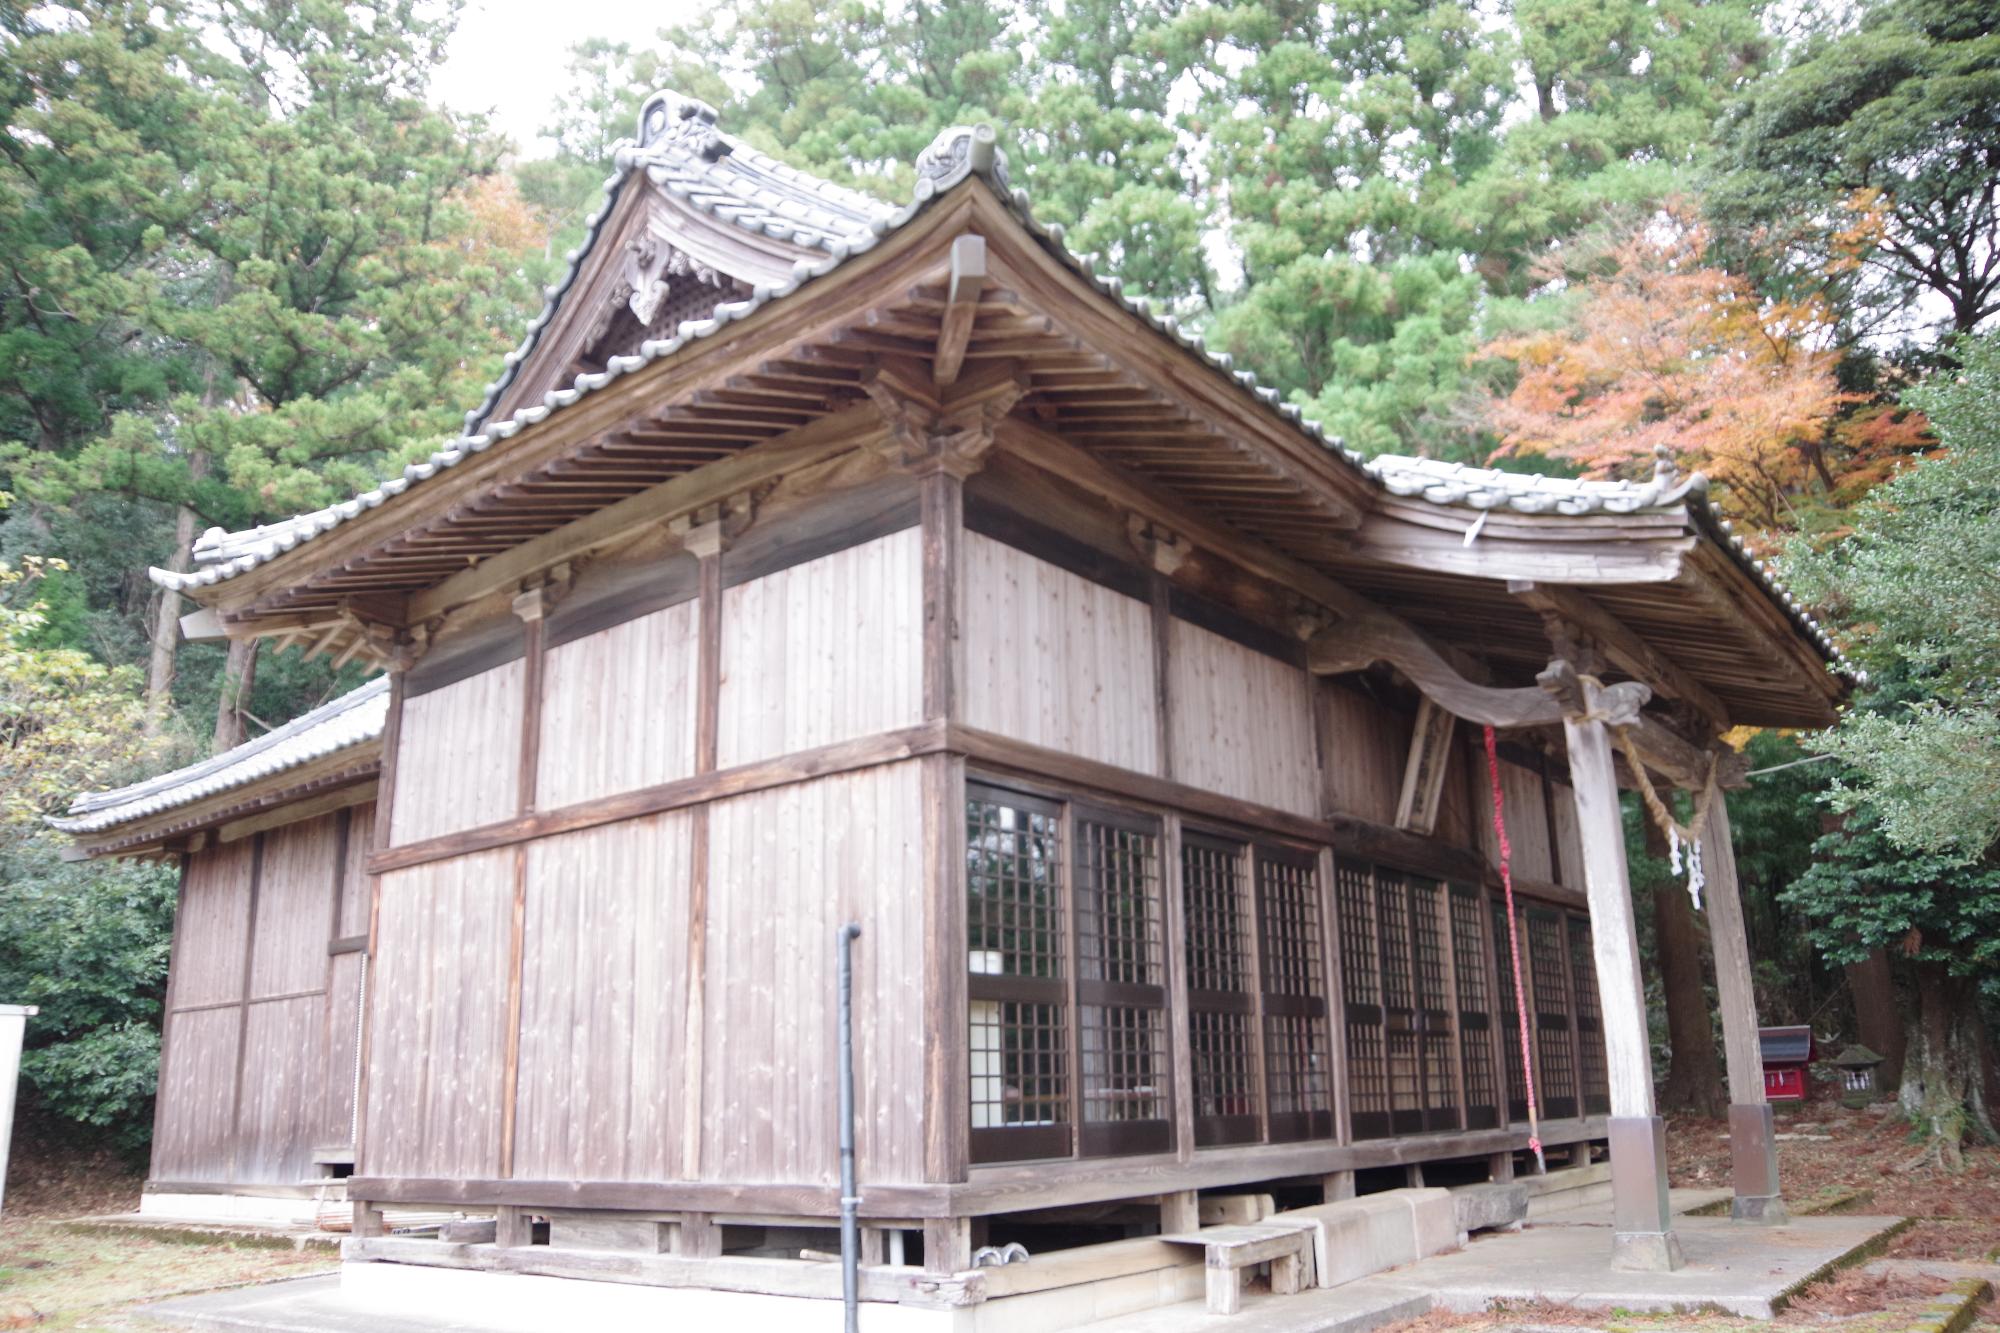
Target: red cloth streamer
(1514, 943)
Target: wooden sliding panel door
(1018, 977)
(1511, 1044)
(1370, 1106)
(1222, 991)
(1548, 961)
(1591, 1073)
(1121, 985)
(1298, 1058)
(1474, 995)
(1430, 988)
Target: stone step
(1500, 1203)
(1359, 1307)
(1355, 1238)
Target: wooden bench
(1286, 1246)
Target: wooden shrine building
(819, 561)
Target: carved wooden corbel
(954, 436)
(706, 531)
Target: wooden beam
(962, 291)
(1360, 641)
(825, 438)
(1623, 646)
(840, 757)
(311, 807)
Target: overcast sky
(508, 56)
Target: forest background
(248, 265)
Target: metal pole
(850, 1199)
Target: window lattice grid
(1392, 903)
(1295, 1056)
(1367, 1077)
(1552, 1012)
(1354, 886)
(1218, 934)
(1427, 937)
(1120, 930)
(1124, 1063)
(1013, 865)
(1289, 901)
(1020, 1057)
(1510, 1014)
(1468, 950)
(1225, 1063)
(1475, 1016)
(1592, 1072)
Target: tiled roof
(680, 143)
(353, 720)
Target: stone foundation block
(1356, 1237)
(1485, 1207)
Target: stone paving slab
(1733, 1267)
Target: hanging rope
(1514, 948)
(1677, 833)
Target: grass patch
(61, 1278)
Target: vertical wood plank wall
(823, 651)
(1372, 744)
(1242, 721)
(457, 755)
(786, 867)
(257, 1067)
(618, 709)
(439, 1003)
(602, 1005)
(1057, 660)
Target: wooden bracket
(1423, 773)
(952, 435)
(704, 532)
(538, 596)
(962, 291)
(1579, 628)
(1165, 550)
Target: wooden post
(1180, 1212)
(947, 1244)
(947, 1094)
(1641, 1219)
(704, 543)
(1753, 1147)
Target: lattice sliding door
(1018, 985)
(1369, 1109)
(1474, 989)
(1222, 992)
(1592, 1073)
(1298, 1075)
(1436, 1035)
(1548, 950)
(1121, 986)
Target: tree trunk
(239, 676)
(1694, 1070)
(1943, 1091)
(1878, 1015)
(166, 635)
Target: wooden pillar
(704, 542)
(1753, 1146)
(1643, 1236)
(947, 1094)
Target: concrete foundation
(1491, 1206)
(284, 1212)
(1753, 1164)
(1641, 1219)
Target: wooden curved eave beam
(1359, 641)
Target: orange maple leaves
(1662, 348)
